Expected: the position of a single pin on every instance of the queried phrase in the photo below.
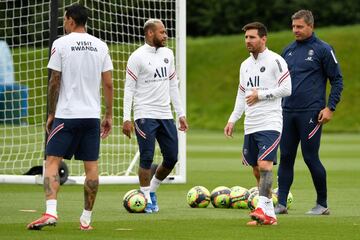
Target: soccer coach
(311, 62)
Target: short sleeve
(107, 65)
(55, 58)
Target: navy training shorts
(79, 137)
(260, 146)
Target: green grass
(212, 161)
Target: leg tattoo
(47, 187)
(90, 191)
(51, 184)
(266, 179)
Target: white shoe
(319, 210)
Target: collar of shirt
(261, 55)
(311, 39)
(149, 48)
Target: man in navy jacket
(311, 62)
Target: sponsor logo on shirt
(262, 69)
(253, 82)
(84, 46)
(310, 54)
(160, 74)
(166, 60)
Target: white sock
(85, 217)
(261, 203)
(154, 184)
(146, 191)
(269, 208)
(51, 207)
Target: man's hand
(229, 129)
(106, 126)
(183, 124)
(49, 123)
(127, 128)
(325, 115)
(252, 98)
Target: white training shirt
(151, 83)
(81, 58)
(268, 74)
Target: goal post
(25, 34)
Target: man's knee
(146, 163)
(146, 158)
(170, 161)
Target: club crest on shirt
(310, 54)
(262, 69)
(166, 60)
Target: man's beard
(158, 43)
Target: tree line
(23, 22)
(226, 17)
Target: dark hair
(262, 31)
(78, 13)
(304, 14)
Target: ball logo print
(239, 197)
(220, 197)
(134, 201)
(198, 197)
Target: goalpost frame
(179, 175)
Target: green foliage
(213, 65)
(214, 17)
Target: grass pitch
(212, 161)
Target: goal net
(25, 32)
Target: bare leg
(144, 177)
(51, 177)
(91, 184)
(162, 172)
(256, 173)
(266, 178)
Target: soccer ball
(238, 197)
(274, 199)
(289, 199)
(253, 189)
(198, 197)
(220, 197)
(134, 201)
(253, 200)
